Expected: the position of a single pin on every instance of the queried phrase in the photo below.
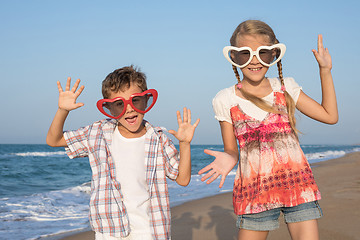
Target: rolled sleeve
(77, 143)
(172, 159)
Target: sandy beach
(212, 218)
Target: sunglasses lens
(240, 57)
(113, 108)
(142, 103)
(269, 56)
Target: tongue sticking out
(131, 120)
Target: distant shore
(212, 218)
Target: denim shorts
(269, 220)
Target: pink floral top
(273, 170)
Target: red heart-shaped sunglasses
(116, 107)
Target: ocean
(43, 192)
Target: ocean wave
(357, 149)
(43, 214)
(40, 206)
(326, 154)
(40, 154)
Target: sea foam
(40, 154)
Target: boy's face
(131, 123)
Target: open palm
(186, 130)
(67, 98)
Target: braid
(236, 73)
(279, 65)
(290, 104)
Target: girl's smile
(254, 71)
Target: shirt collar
(109, 126)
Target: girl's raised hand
(67, 98)
(222, 165)
(322, 55)
(186, 130)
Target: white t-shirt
(129, 158)
(226, 99)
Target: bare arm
(224, 161)
(67, 102)
(184, 134)
(327, 111)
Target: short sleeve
(292, 88)
(77, 142)
(220, 106)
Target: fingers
(172, 132)
(79, 91)
(78, 105)
(188, 118)
(68, 82)
(208, 175)
(222, 181)
(210, 152)
(178, 115)
(76, 85)
(205, 169)
(74, 89)
(320, 42)
(196, 123)
(316, 54)
(59, 87)
(214, 176)
(186, 115)
(320, 46)
(211, 176)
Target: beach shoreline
(212, 218)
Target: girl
(273, 175)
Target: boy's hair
(256, 27)
(120, 80)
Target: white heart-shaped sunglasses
(267, 55)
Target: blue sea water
(43, 192)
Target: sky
(178, 45)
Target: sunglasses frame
(100, 103)
(281, 46)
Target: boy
(129, 158)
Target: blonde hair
(256, 27)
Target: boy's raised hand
(186, 130)
(67, 98)
(322, 54)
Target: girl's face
(254, 71)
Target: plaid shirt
(107, 211)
